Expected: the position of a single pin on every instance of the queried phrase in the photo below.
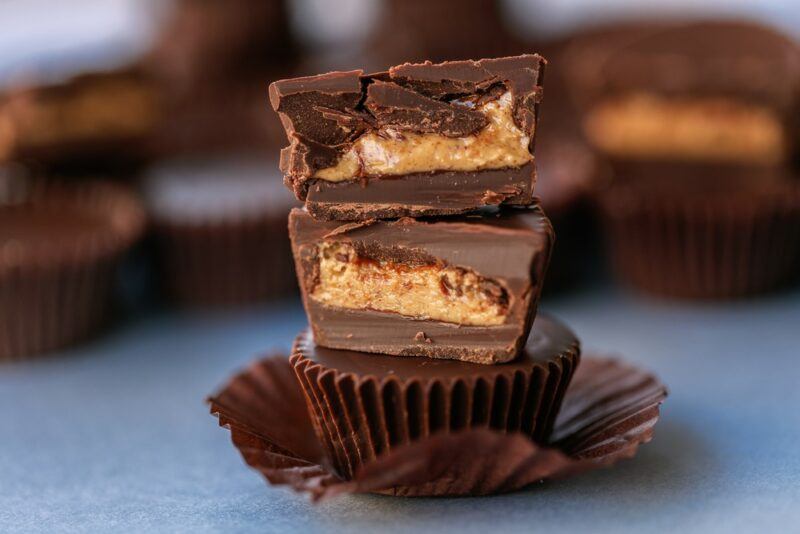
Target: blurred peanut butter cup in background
(698, 123)
(59, 249)
(220, 228)
(94, 122)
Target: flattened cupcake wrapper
(359, 419)
(229, 263)
(55, 296)
(704, 248)
(609, 409)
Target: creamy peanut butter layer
(389, 151)
(435, 292)
(702, 129)
(101, 109)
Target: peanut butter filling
(703, 129)
(436, 292)
(500, 144)
(108, 108)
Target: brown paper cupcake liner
(358, 419)
(227, 263)
(609, 409)
(713, 246)
(55, 295)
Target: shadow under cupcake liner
(609, 409)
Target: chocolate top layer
(735, 58)
(548, 340)
(324, 114)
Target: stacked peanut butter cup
(421, 253)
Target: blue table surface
(115, 437)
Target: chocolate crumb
(444, 285)
(492, 197)
(422, 338)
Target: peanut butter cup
(220, 226)
(59, 246)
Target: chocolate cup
(706, 244)
(609, 409)
(55, 294)
(220, 230)
(365, 405)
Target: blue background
(116, 437)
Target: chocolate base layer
(510, 246)
(364, 405)
(420, 194)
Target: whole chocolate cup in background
(703, 241)
(609, 410)
(441, 30)
(365, 405)
(59, 249)
(220, 229)
(201, 42)
(566, 173)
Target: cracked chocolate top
(324, 115)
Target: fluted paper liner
(360, 417)
(710, 247)
(52, 296)
(227, 263)
(609, 409)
